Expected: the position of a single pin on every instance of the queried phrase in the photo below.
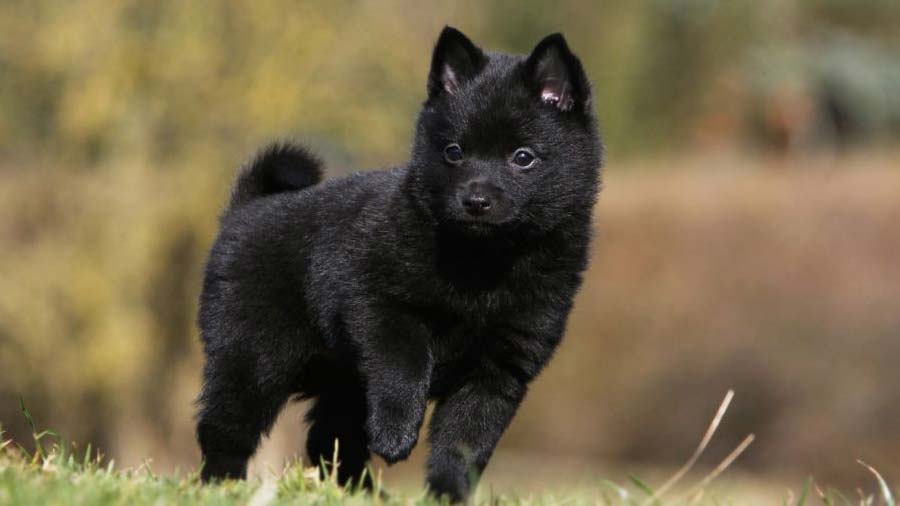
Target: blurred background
(747, 236)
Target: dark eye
(453, 153)
(524, 158)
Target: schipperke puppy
(449, 278)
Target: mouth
(476, 227)
(483, 224)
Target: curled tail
(279, 167)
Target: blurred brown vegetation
(747, 235)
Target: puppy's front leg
(467, 424)
(465, 429)
(395, 362)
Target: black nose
(476, 205)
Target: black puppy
(447, 279)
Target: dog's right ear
(455, 61)
(556, 75)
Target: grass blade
(643, 486)
(719, 469)
(885, 490)
(707, 437)
(801, 501)
(27, 414)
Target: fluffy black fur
(447, 279)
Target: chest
(459, 349)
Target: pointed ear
(556, 75)
(455, 61)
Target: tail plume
(277, 168)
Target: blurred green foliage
(121, 124)
(181, 84)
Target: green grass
(55, 474)
(57, 477)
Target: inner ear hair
(448, 79)
(555, 82)
(557, 74)
(455, 61)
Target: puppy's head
(505, 141)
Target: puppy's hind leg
(339, 413)
(237, 405)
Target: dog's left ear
(556, 75)
(455, 61)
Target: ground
(56, 476)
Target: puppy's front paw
(392, 441)
(393, 429)
(450, 475)
(455, 487)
